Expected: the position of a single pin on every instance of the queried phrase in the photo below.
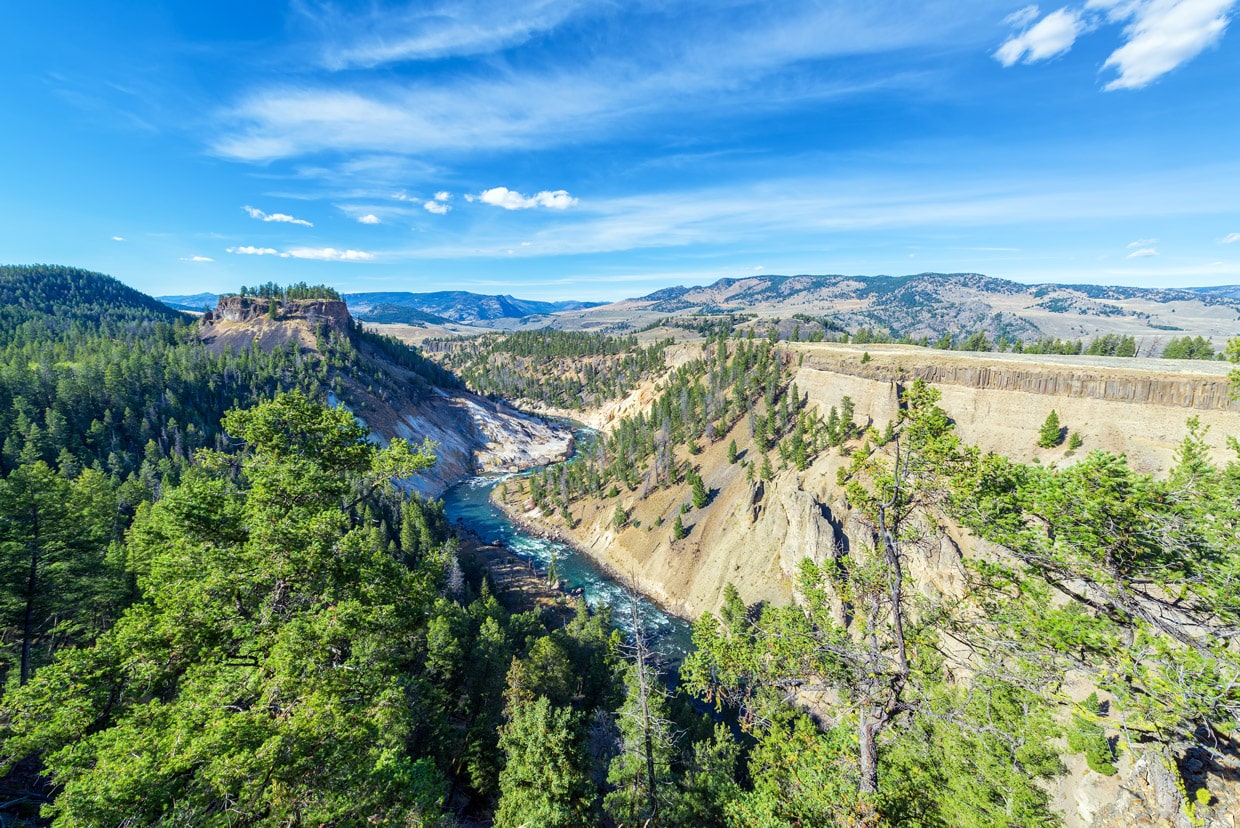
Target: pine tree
(732, 452)
(700, 494)
(767, 472)
(678, 529)
(642, 773)
(543, 781)
(1051, 433)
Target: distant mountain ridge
(416, 308)
(933, 304)
(197, 302)
(455, 305)
(917, 305)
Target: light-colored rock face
(474, 435)
(1138, 408)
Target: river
(470, 503)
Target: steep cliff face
(474, 435)
(238, 321)
(471, 433)
(1135, 407)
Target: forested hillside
(105, 396)
(573, 370)
(218, 610)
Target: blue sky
(597, 149)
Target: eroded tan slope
(753, 534)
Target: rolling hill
(928, 305)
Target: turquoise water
(470, 503)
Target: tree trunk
(872, 722)
(28, 618)
(868, 737)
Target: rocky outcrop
(471, 434)
(238, 322)
(334, 314)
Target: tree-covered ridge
(39, 302)
(699, 402)
(566, 369)
(296, 291)
(118, 382)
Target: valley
(1038, 547)
(748, 537)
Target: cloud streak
(1230, 238)
(1159, 35)
(807, 213)
(717, 61)
(330, 254)
(431, 31)
(369, 218)
(321, 254)
(250, 250)
(282, 218)
(197, 259)
(512, 200)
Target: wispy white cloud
(1230, 238)
(1021, 18)
(250, 250)
(434, 30)
(118, 238)
(1143, 253)
(1142, 243)
(283, 218)
(369, 218)
(716, 59)
(513, 200)
(330, 254)
(321, 254)
(1052, 35)
(197, 259)
(436, 207)
(1161, 35)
